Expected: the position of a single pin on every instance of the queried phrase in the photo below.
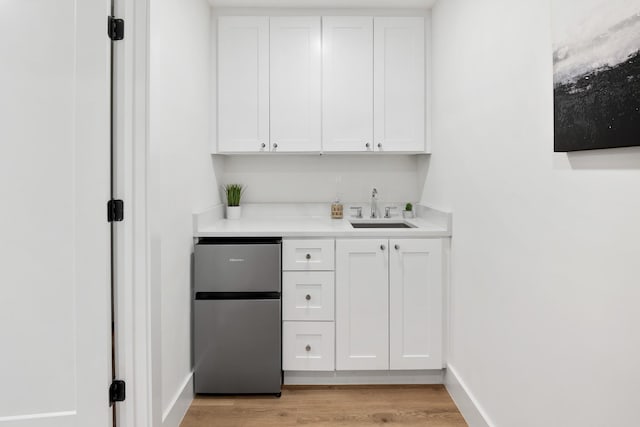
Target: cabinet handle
(308, 347)
(397, 247)
(308, 256)
(308, 297)
(379, 145)
(263, 145)
(383, 247)
(275, 145)
(367, 145)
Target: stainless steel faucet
(374, 203)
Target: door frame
(132, 300)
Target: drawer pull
(382, 247)
(397, 247)
(308, 347)
(308, 256)
(308, 297)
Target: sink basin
(381, 225)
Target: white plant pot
(234, 212)
(408, 214)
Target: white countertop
(430, 223)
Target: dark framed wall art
(596, 74)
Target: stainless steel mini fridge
(237, 316)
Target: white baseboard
(464, 399)
(363, 377)
(173, 415)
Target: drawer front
(308, 346)
(307, 295)
(308, 254)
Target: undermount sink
(380, 224)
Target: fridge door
(237, 267)
(237, 346)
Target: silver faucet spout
(374, 203)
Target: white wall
(313, 178)
(546, 247)
(182, 181)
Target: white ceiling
(327, 4)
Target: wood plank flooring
(339, 406)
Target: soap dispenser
(336, 207)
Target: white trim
(363, 377)
(36, 416)
(179, 405)
(133, 293)
(465, 401)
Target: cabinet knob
(397, 247)
(380, 145)
(263, 145)
(308, 297)
(383, 247)
(367, 145)
(308, 256)
(275, 145)
(308, 347)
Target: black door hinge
(117, 392)
(115, 210)
(115, 28)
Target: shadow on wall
(609, 159)
(304, 178)
(218, 164)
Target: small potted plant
(408, 211)
(234, 193)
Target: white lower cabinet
(362, 304)
(388, 304)
(415, 304)
(308, 297)
(308, 346)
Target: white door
(295, 52)
(347, 83)
(415, 303)
(399, 84)
(243, 84)
(362, 304)
(54, 184)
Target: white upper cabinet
(295, 98)
(399, 84)
(311, 84)
(243, 83)
(415, 304)
(347, 77)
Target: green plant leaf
(234, 194)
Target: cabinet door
(295, 83)
(415, 303)
(243, 83)
(362, 316)
(399, 88)
(347, 83)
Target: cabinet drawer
(307, 254)
(308, 346)
(307, 295)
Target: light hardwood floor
(410, 405)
